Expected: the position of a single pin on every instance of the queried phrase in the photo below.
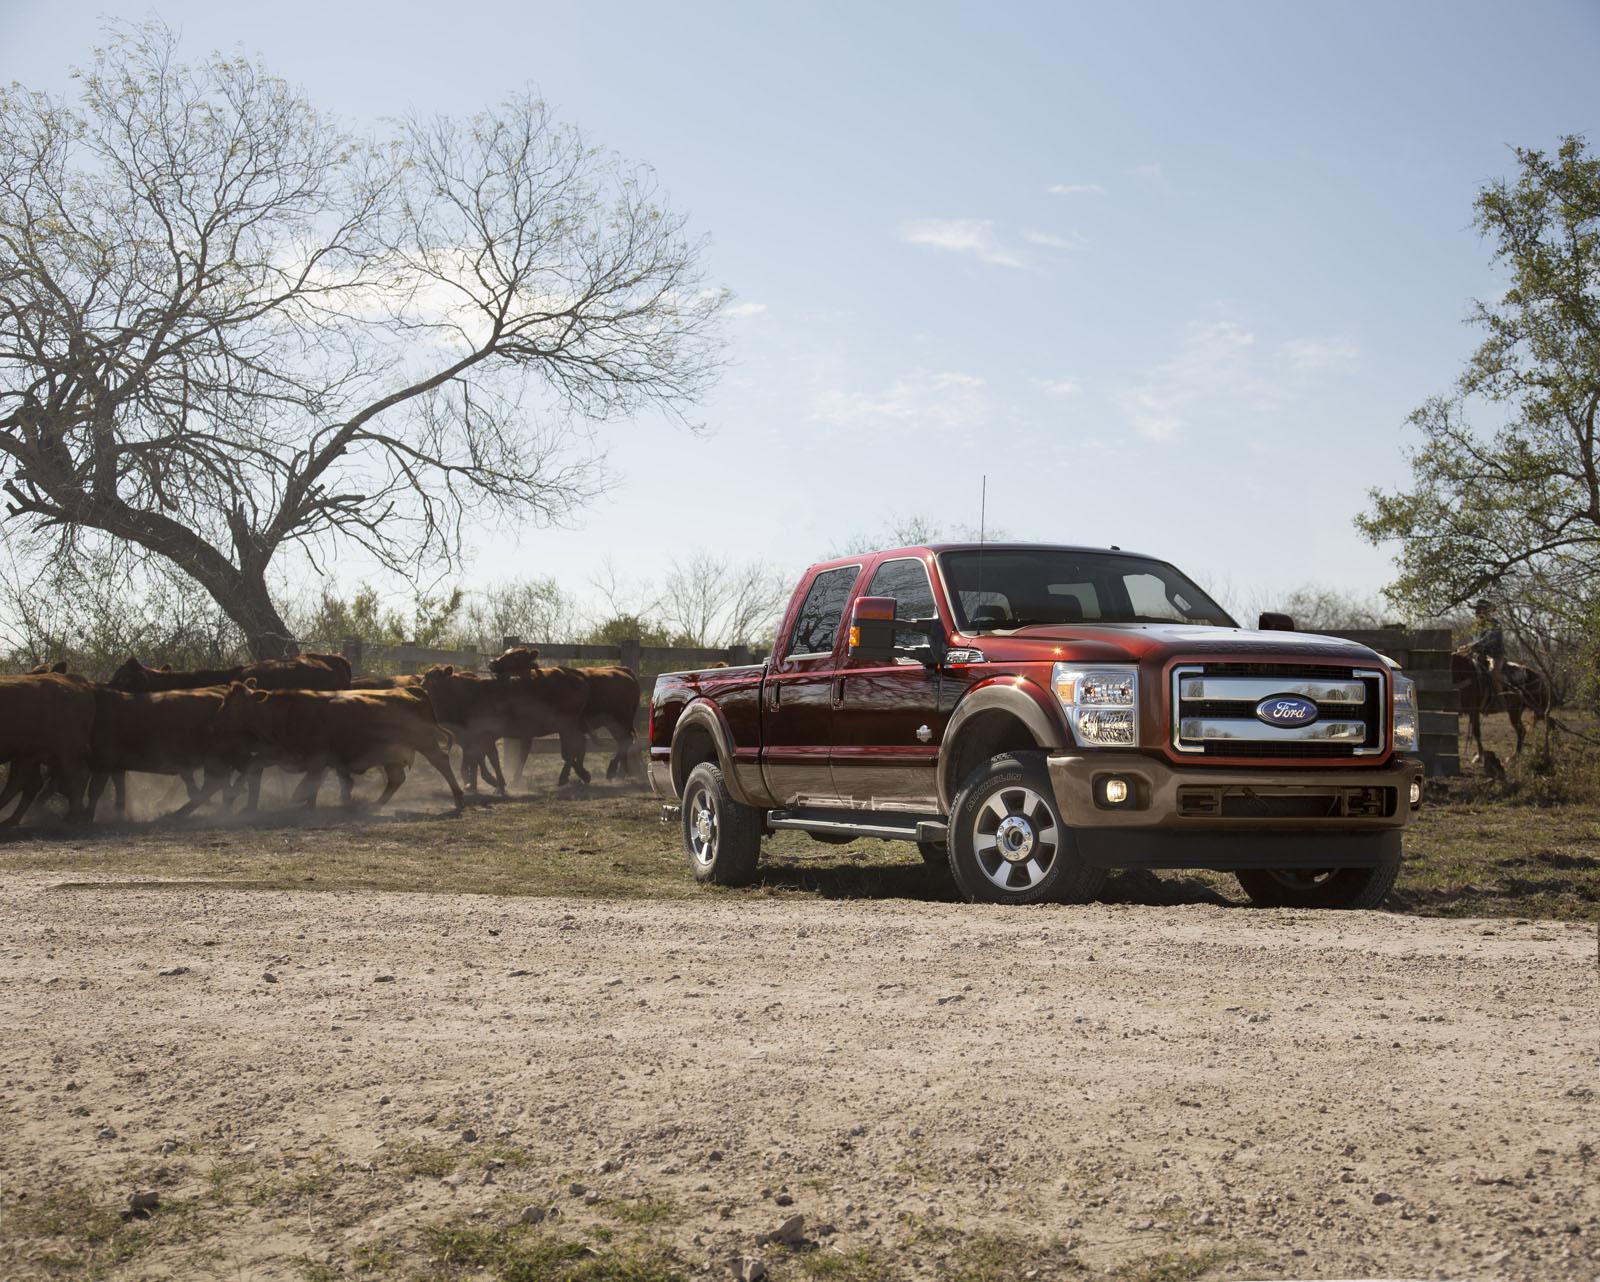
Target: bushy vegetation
(96, 611)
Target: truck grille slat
(1214, 711)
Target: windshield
(998, 589)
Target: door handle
(838, 692)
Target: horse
(1525, 689)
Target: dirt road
(1200, 1090)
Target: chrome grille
(1214, 711)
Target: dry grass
(1528, 846)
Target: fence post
(630, 654)
(354, 650)
(738, 656)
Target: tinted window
(816, 627)
(1003, 588)
(907, 582)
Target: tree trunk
(247, 602)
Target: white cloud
(1215, 370)
(1076, 189)
(1321, 355)
(1058, 386)
(741, 310)
(1221, 373)
(943, 398)
(1052, 241)
(973, 236)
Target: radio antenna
(983, 521)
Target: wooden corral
(1424, 656)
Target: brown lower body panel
(1228, 819)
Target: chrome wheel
(702, 828)
(1016, 838)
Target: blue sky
(1171, 274)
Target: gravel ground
(1253, 1094)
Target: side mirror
(1272, 622)
(872, 629)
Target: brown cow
(482, 710)
(406, 681)
(613, 706)
(518, 661)
(302, 673)
(45, 721)
(351, 730)
(170, 732)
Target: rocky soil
(306, 1078)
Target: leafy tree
(230, 330)
(1511, 506)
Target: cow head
(132, 677)
(519, 661)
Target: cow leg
(440, 761)
(253, 775)
(573, 746)
(26, 782)
(1515, 713)
(76, 781)
(12, 789)
(306, 792)
(524, 747)
(491, 768)
(347, 784)
(97, 788)
(394, 775)
(201, 792)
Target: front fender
(1024, 701)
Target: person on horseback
(1488, 648)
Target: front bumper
(1232, 819)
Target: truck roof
(987, 546)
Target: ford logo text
(1286, 710)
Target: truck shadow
(909, 880)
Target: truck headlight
(1405, 714)
(1102, 704)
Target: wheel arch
(1004, 715)
(702, 734)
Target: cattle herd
(219, 729)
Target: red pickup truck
(1036, 715)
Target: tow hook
(669, 813)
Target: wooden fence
(643, 659)
(1424, 656)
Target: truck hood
(1136, 642)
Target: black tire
(934, 854)
(726, 849)
(1335, 888)
(1008, 843)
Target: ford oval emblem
(1286, 710)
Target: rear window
(816, 627)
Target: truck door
(797, 712)
(887, 725)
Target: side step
(845, 823)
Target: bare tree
(711, 601)
(229, 329)
(533, 609)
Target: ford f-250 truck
(1036, 715)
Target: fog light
(1416, 792)
(1116, 791)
